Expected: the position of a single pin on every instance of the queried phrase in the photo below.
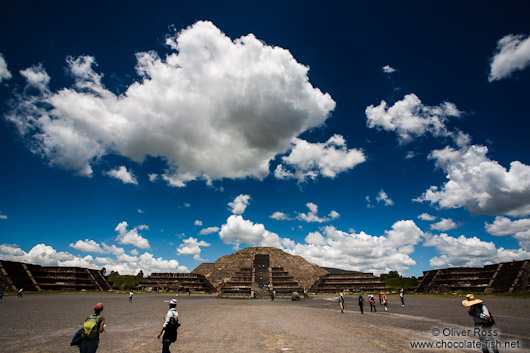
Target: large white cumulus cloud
(513, 53)
(216, 108)
(335, 248)
(361, 251)
(480, 184)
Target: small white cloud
(140, 211)
(209, 230)
(280, 216)
(4, 72)
(153, 177)
(3, 216)
(387, 69)
(315, 238)
(310, 160)
(427, 217)
(383, 197)
(192, 246)
(513, 54)
(123, 174)
(237, 230)
(410, 155)
(368, 202)
(134, 252)
(132, 236)
(198, 223)
(410, 118)
(444, 225)
(312, 216)
(87, 245)
(36, 77)
(240, 203)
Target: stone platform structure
(258, 271)
(351, 282)
(507, 277)
(174, 282)
(16, 275)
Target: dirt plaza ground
(46, 323)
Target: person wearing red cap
(90, 345)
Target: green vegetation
(124, 282)
(394, 281)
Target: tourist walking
(483, 321)
(19, 294)
(131, 296)
(169, 329)
(402, 296)
(92, 327)
(361, 304)
(341, 303)
(371, 300)
(384, 302)
(1, 295)
(380, 300)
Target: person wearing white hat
(341, 303)
(483, 322)
(170, 326)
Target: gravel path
(46, 323)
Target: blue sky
(369, 137)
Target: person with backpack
(483, 322)
(341, 303)
(371, 300)
(92, 327)
(169, 329)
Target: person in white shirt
(169, 329)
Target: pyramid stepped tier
(175, 282)
(239, 285)
(348, 282)
(505, 277)
(16, 275)
(284, 284)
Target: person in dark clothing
(361, 304)
(483, 321)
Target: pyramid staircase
(260, 280)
